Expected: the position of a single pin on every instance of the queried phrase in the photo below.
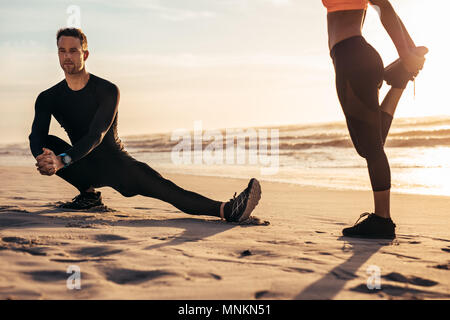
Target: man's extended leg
(131, 177)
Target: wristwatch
(66, 159)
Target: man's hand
(48, 163)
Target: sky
(228, 63)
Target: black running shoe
(374, 227)
(239, 208)
(85, 200)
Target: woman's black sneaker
(85, 200)
(374, 227)
(239, 208)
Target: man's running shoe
(374, 227)
(239, 208)
(85, 200)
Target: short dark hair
(73, 32)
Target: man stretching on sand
(86, 106)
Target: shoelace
(81, 199)
(237, 202)
(362, 216)
(76, 197)
(233, 202)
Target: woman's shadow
(332, 283)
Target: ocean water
(314, 155)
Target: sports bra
(341, 5)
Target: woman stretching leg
(359, 76)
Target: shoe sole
(253, 200)
(375, 236)
(68, 207)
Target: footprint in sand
(48, 275)
(128, 276)
(35, 251)
(52, 275)
(109, 237)
(99, 251)
(397, 277)
(16, 240)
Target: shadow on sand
(334, 281)
(194, 229)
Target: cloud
(163, 11)
(279, 2)
(249, 3)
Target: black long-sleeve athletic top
(89, 117)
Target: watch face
(66, 159)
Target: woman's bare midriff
(343, 25)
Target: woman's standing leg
(359, 75)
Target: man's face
(71, 54)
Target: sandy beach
(142, 248)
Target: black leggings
(129, 177)
(359, 76)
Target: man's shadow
(195, 228)
(334, 281)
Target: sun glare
(427, 24)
